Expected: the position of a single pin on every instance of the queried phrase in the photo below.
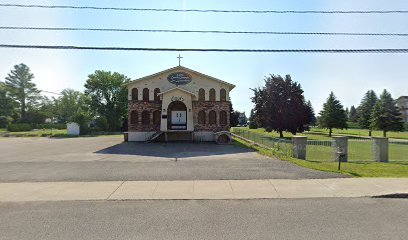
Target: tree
(234, 115)
(365, 110)
(332, 115)
(280, 105)
(353, 117)
(69, 104)
(310, 115)
(251, 121)
(347, 113)
(108, 96)
(7, 106)
(22, 89)
(385, 115)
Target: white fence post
(340, 147)
(380, 149)
(299, 147)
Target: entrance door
(178, 119)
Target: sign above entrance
(174, 98)
(179, 78)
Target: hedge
(19, 127)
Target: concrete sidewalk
(211, 189)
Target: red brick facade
(152, 106)
(207, 106)
(140, 106)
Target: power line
(51, 92)
(201, 31)
(206, 10)
(66, 47)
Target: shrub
(101, 124)
(50, 125)
(19, 127)
(82, 121)
(4, 121)
(253, 125)
(406, 127)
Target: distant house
(242, 119)
(402, 103)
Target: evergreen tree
(353, 117)
(22, 89)
(310, 114)
(347, 113)
(385, 115)
(280, 105)
(365, 109)
(234, 115)
(332, 115)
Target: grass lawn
(288, 135)
(34, 133)
(362, 132)
(355, 169)
(358, 149)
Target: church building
(179, 104)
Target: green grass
(33, 133)
(358, 149)
(363, 132)
(355, 169)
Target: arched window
(135, 94)
(145, 94)
(145, 117)
(156, 94)
(201, 94)
(212, 94)
(212, 117)
(156, 117)
(133, 117)
(223, 95)
(223, 118)
(201, 117)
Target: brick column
(340, 144)
(299, 147)
(380, 149)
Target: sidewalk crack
(115, 190)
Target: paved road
(109, 159)
(357, 218)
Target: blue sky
(349, 76)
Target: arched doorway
(177, 112)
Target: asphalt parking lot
(111, 159)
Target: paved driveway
(109, 159)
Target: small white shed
(73, 128)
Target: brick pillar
(380, 149)
(299, 147)
(340, 144)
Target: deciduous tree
(108, 96)
(280, 105)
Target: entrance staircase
(154, 136)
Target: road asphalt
(319, 218)
(110, 159)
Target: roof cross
(179, 58)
